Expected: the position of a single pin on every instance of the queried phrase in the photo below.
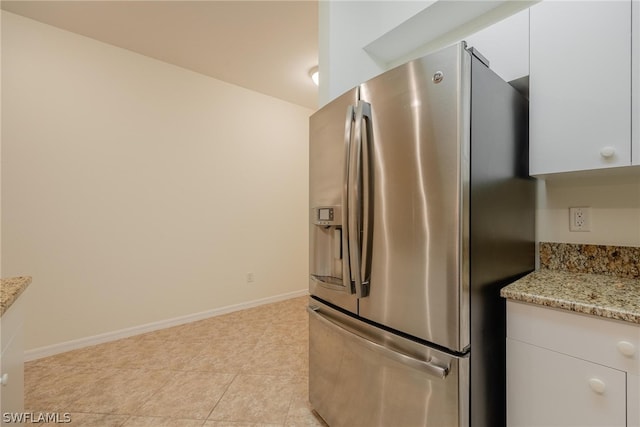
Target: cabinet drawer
(546, 388)
(608, 342)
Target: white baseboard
(50, 350)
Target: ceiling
(265, 46)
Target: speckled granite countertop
(10, 290)
(596, 294)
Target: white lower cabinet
(568, 369)
(633, 400)
(11, 364)
(546, 388)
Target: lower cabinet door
(546, 388)
(633, 400)
(12, 363)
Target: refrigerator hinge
(473, 51)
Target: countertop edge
(538, 288)
(11, 289)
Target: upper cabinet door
(580, 85)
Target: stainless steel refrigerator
(421, 209)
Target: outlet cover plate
(580, 219)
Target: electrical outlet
(580, 219)
(250, 278)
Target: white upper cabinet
(580, 86)
(506, 45)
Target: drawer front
(546, 388)
(354, 383)
(608, 342)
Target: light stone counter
(10, 290)
(596, 294)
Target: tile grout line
(220, 398)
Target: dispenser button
(325, 214)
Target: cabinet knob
(607, 152)
(597, 385)
(4, 379)
(626, 348)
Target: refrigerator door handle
(359, 212)
(346, 258)
(354, 207)
(424, 366)
(365, 133)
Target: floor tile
(155, 354)
(243, 369)
(285, 333)
(256, 399)
(274, 359)
(223, 356)
(237, 424)
(300, 412)
(207, 330)
(89, 420)
(161, 422)
(55, 388)
(187, 395)
(120, 391)
(98, 356)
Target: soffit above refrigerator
(441, 23)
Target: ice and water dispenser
(326, 239)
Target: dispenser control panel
(327, 215)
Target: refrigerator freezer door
(360, 375)
(330, 134)
(420, 169)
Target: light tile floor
(247, 368)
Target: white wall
(615, 209)
(1, 31)
(345, 28)
(135, 191)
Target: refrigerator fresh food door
(330, 141)
(360, 375)
(419, 173)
